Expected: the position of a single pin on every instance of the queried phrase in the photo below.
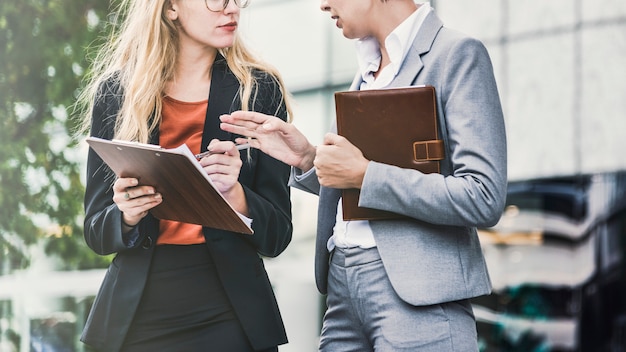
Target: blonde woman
(171, 68)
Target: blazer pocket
(95, 332)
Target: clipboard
(188, 193)
(395, 126)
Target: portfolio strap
(428, 150)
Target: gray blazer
(435, 256)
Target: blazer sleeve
(473, 191)
(307, 181)
(103, 219)
(267, 192)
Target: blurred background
(557, 257)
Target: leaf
(43, 50)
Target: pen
(239, 147)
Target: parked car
(557, 260)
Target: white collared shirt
(358, 233)
(397, 44)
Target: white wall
(560, 70)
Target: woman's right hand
(134, 200)
(273, 136)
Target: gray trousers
(365, 314)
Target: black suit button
(147, 243)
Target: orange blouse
(182, 122)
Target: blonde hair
(141, 54)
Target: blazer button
(147, 243)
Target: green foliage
(42, 61)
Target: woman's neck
(192, 76)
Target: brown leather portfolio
(396, 126)
(188, 193)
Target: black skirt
(184, 306)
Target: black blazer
(237, 257)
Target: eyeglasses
(220, 5)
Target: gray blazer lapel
(412, 65)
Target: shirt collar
(397, 43)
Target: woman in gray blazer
(402, 285)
